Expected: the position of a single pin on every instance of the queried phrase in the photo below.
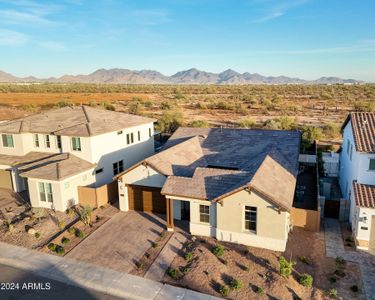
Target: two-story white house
(357, 175)
(50, 154)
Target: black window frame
(118, 167)
(250, 218)
(371, 160)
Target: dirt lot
(258, 268)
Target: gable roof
(363, 126)
(209, 164)
(80, 121)
(364, 195)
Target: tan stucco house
(233, 184)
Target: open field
(260, 106)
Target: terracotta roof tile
(364, 195)
(363, 124)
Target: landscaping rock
(31, 231)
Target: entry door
(185, 210)
(372, 234)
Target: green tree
(170, 121)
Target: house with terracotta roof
(357, 175)
(233, 184)
(50, 154)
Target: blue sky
(302, 38)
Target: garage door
(6, 179)
(142, 198)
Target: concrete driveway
(121, 241)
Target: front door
(185, 210)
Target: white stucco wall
(141, 175)
(65, 192)
(362, 222)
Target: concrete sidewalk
(93, 277)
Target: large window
(36, 141)
(351, 151)
(251, 218)
(76, 144)
(130, 138)
(47, 141)
(347, 147)
(7, 140)
(371, 166)
(139, 135)
(204, 213)
(118, 167)
(45, 192)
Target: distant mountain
(191, 76)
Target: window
(98, 171)
(36, 141)
(118, 167)
(130, 138)
(76, 143)
(139, 135)
(149, 132)
(58, 141)
(371, 166)
(251, 218)
(119, 132)
(351, 151)
(204, 213)
(347, 147)
(47, 141)
(7, 140)
(45, 192)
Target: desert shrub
(170, 121)
(224, 261)
(332, 293)
(8, 224)
(306, 280)
(286, 267)
(332, 279)
(339, 273)
(224, 290)
(235, 284)
(70, 212)
(259, 290)
(246, 123)
(107, 106)
(52, 246)
(218, 250)
(72, 230)
(304, 260)
(79, 233)
(185, 270)
(246, 269)
(331, 130)
(163, 233)
(310, 134)
(60, 250)
(173, 273)
(85, 214)
(155, 245)
(64, 103)
(199, 124)
(340, 261)
(61, 225)
(354, 288)
(135, 107)
(65, 240)
(189, 256)
(166, 105)
(37, 235)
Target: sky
(297, 38)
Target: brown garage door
(148, 199)
(6, 179)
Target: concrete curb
(90, 276)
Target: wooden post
(170, 226)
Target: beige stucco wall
(141, 175)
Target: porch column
(170, 226)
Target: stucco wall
(305, 218)
(141, 175)
(65, 193)
(360, 232)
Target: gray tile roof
(80, 121)
(212, 163)
(55, 167)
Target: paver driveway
(121, 241)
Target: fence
(96, 197)
(306, 218)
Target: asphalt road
(20, 284)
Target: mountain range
(191, 76)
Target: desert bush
(170, 121)
(189, 256)
(37, 235)
(306, 280)
(155, 244)
(70, 212)
(332, 293)
(235, 284)
(340, 261)
(304, 260)
(60, 250)
(224, 290)
(64, 103)
(218, 250)
(259, 290)
(354, 288)
(61, 225)
(107, 106)
(72, 230)
(331, 130)
(199, 124)
(135, 107)
(52, 246)
(167, 105)
(85, 214)
(79, 234)
(65, 240)
(173, 273)
(339, 273)
(246, 123)
(286, 267)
